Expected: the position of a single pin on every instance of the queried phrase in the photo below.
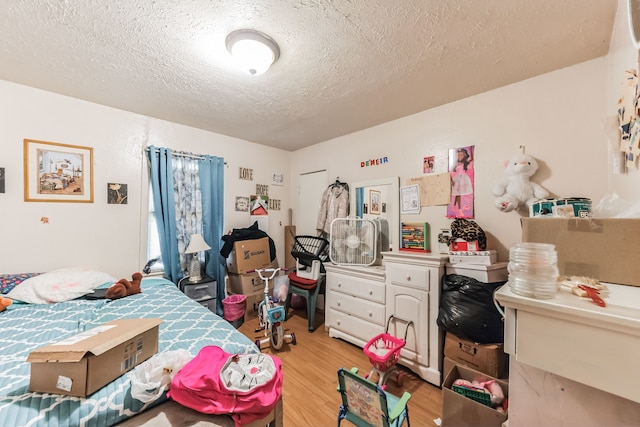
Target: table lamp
(196, 245)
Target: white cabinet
(413, 294)
(355, 307)
(572, 362)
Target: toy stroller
(271, 315)
(383, 352)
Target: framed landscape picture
(55, 172)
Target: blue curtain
(161, 177)
(211, 173)
(173, 179)
(359, 202)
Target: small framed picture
(374, 200)
(117, 194)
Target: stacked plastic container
(533, 270)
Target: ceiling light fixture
(252, 50)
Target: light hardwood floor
(310, 375)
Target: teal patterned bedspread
(25, 327)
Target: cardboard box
(461, 411)
(248, 283)
(248, 255)
(84, 363)
(604, 248)
(473, 257)
(489, 359)
(496, 272)
(252, 302)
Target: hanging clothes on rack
(334, 204)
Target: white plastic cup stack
(533, 270)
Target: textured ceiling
(345, 65)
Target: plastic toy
(383, 352)
(271, 315)
(517, 189)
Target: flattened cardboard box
(84, 363)
(461, 411)
(248, 255)
(607, 249)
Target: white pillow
(59, 285)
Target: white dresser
(361, 299)
(355, 307)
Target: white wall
(558, 117)
(110, 238)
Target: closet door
(312, 187)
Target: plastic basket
(480, 396)
(306, 249)
(383, 351)
(234, 307)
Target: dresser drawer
(199, 291)
(366, 310)
(408, 275)
(208, 303)
(362, 288)
(358, 328)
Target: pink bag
(245, 386)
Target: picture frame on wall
(56, 172)
(374, 202)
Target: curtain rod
(182, 154)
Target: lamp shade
(253, 51)
(197, 244)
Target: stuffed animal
(517, 189)
(4, 303)
(123, 288)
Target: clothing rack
(182, 154)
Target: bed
(186, 325)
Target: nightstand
(204, 291)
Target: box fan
(357, 241)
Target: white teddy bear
(517, 190)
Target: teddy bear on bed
(517, 189)
(123, 287)
(4, 303)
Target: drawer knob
(370, 314)
(338, 322)
(339, 284)
(338, 303)
(370, 292)
(408, 278)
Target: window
(153, 242)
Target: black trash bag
(467, 309)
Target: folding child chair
(366, 404)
